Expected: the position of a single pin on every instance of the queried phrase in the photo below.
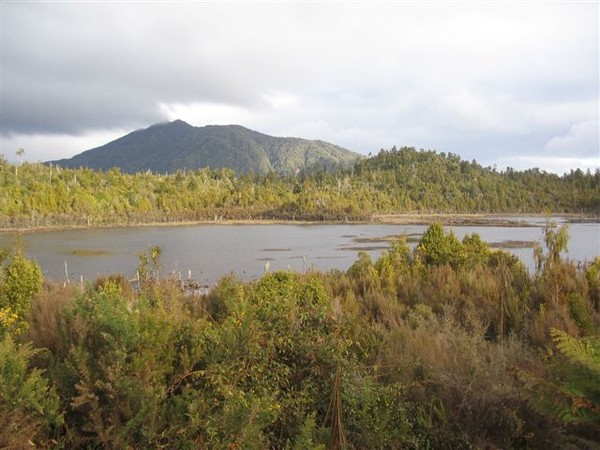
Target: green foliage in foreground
(20, 282)
(392, 182)
(571, 392)
(29, 407)
(460, 348)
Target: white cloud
(581, 139)
(281, 99)
(554, 164)
(558, 114)
(46, 147)
(205, 113)
(470, 111)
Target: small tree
(20, 281)
(476, 251)
(551, 270)
(556, 241)
(20, 152)
(437, 248)
(155, 253)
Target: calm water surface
(211, 251)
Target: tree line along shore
(395, 183)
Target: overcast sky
(506, 83)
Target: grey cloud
(51, 106)
(64, 77)
(475, 80)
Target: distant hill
(169, 147)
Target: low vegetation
(392, 182)
(452, 345)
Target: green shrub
(592, 275)
(29, 406)
(20, 281)
(438, 248)
(376, 415)
(124, 358)
(276, 350)
(580, 312)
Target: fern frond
(572, 393)
(585, 351)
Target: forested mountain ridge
(396, 181)
(168, 147)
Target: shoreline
(484, 219)
(446, 219)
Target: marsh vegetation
(449, 345)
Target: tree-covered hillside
(392, 182)
(168, 147)
(427, 180)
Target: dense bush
(458, 347)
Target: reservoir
(208, 252)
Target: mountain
(169, 147)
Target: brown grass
(17, 429)
(46, 312)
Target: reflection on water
(210, 251)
